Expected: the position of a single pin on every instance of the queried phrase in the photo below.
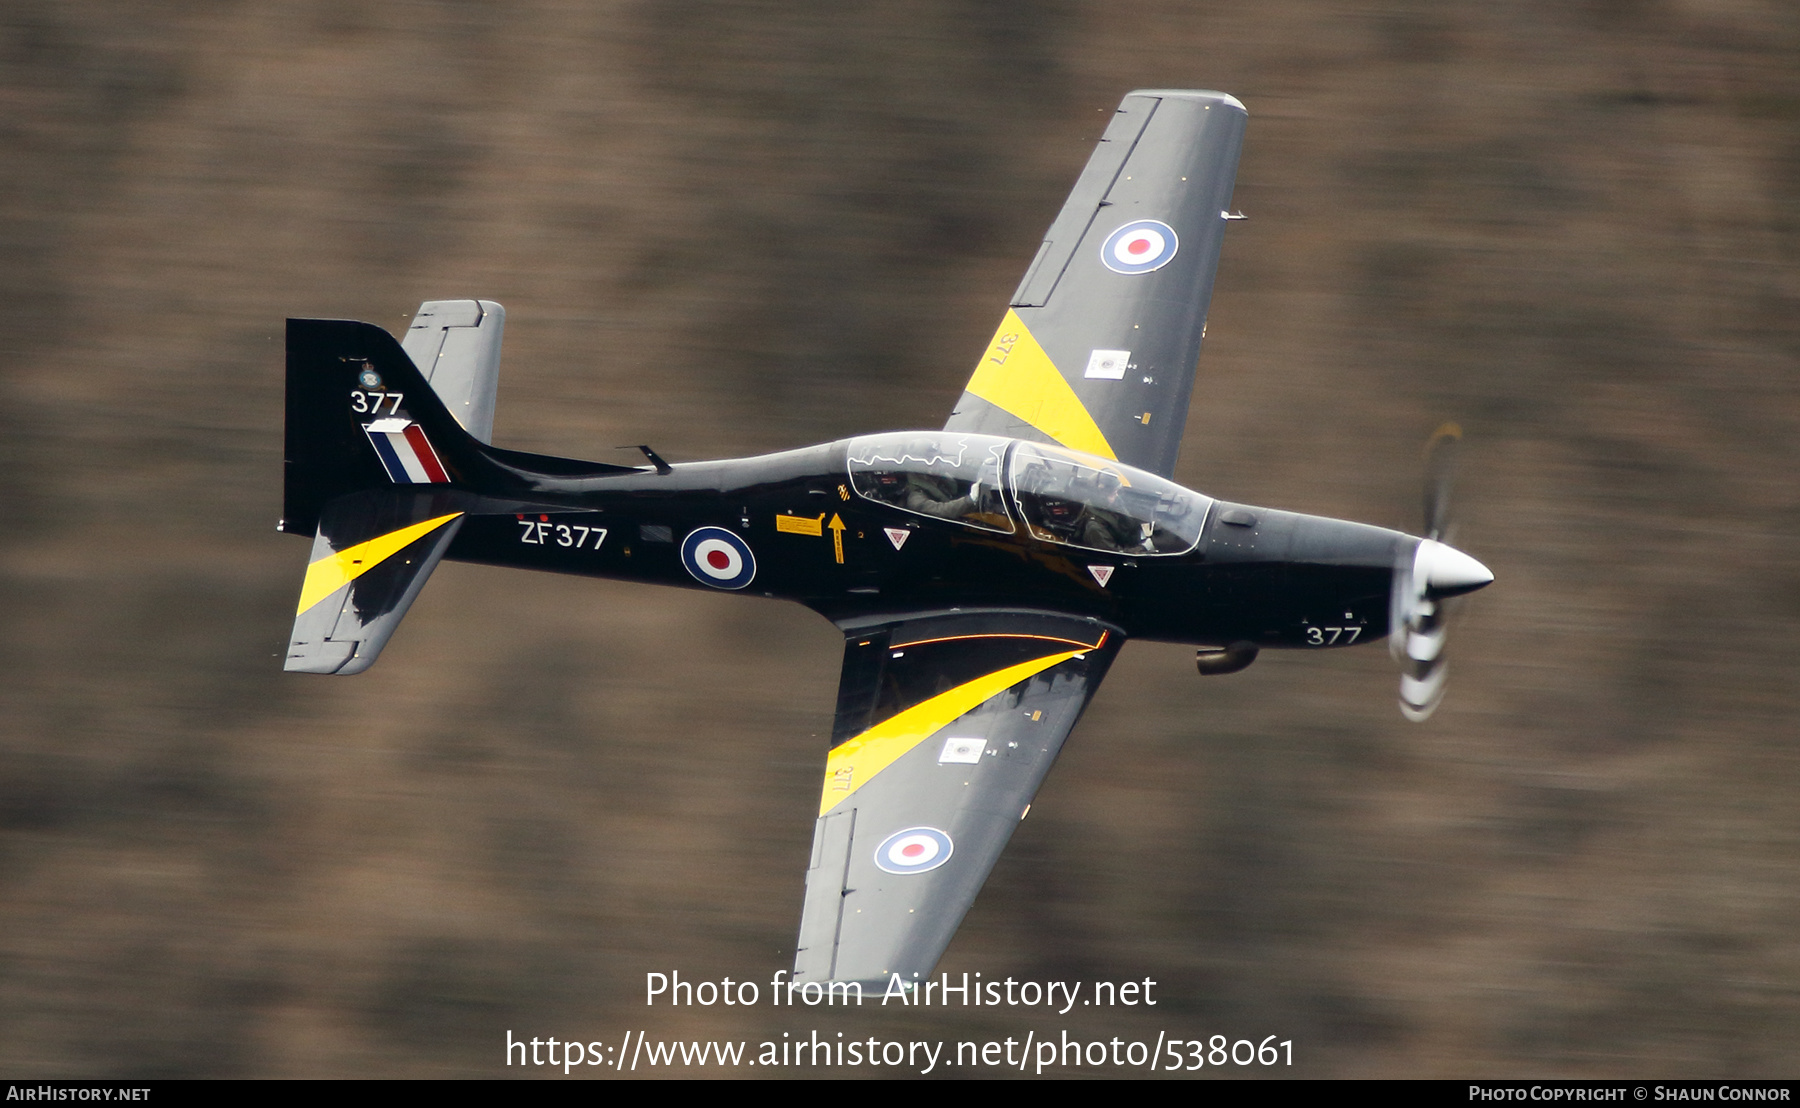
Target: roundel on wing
(1139, 247)
(716, 557)
(914, 850)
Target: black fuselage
(1256, 575)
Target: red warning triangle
(897, 536)
(1102, 574)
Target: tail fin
(382, 468)
(378, 471)
(360, 416)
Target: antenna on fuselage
(662, 467)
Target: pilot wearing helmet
(1108, 524)
(1091, 513)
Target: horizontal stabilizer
(456, 345)
(371, 557)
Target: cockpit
(939, 474)
(1061, 496)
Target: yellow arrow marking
(837, 537)
(333, 572)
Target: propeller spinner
(1433, 574)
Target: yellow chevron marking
(855, 762)
(1016, 376)
(329, 574)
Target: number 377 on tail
(984, 574)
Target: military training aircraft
(984, 575)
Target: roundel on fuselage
(716, 557)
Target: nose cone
(1447, 571)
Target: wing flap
(826, 879)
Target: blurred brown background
(727, 226)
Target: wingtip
(1222, 98)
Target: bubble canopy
(1061, 496)
(943, 474)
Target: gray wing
(1099, 348)
(946, 726)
